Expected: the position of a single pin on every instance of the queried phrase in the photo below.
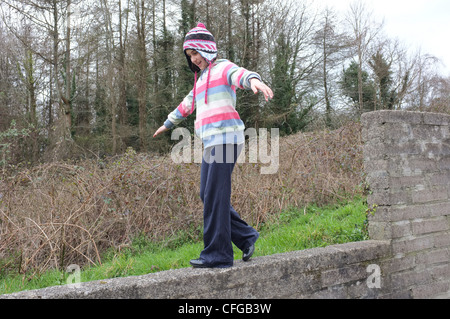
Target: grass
(315, 227)
(293, 229)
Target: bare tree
(440, 94)
(123, 41)
(365, 30)
(425, 70)
(333, 45)
(141, 17)
(50, 18)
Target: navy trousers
(222, 224)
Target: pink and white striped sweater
(217, 121)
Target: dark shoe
(197, 263)
(248, 253)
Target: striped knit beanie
(202, 41)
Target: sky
(416, 23)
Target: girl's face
(197, 59)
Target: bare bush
(60, 213)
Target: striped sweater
(217, 121)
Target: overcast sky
(417, 23)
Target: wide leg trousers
(222, 224)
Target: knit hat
(202, 41)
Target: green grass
(315, 227)
(294, 229)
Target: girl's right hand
(257, 85)
(162, 129)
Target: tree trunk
(123, 111)
(68, 96)
(142, 74)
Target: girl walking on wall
(222, 132)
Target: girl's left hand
(257, 85)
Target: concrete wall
(339, 271)
(407, 162)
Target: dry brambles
(60, 213)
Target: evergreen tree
(282, 85)
(386, 96)
(285, 111)
(349, 85)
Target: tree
(357, 89)
(283, 106)
(102, 74)
(425, 71)
(29, 81)
(230, 47)
(184, 79)
(385, 97)
(440, 94)
(51, 20)
(333, 46)
(364, 31)
(250, 33)
(291, 63)
(122, 67)
(142, 67)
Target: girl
(222, 132)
